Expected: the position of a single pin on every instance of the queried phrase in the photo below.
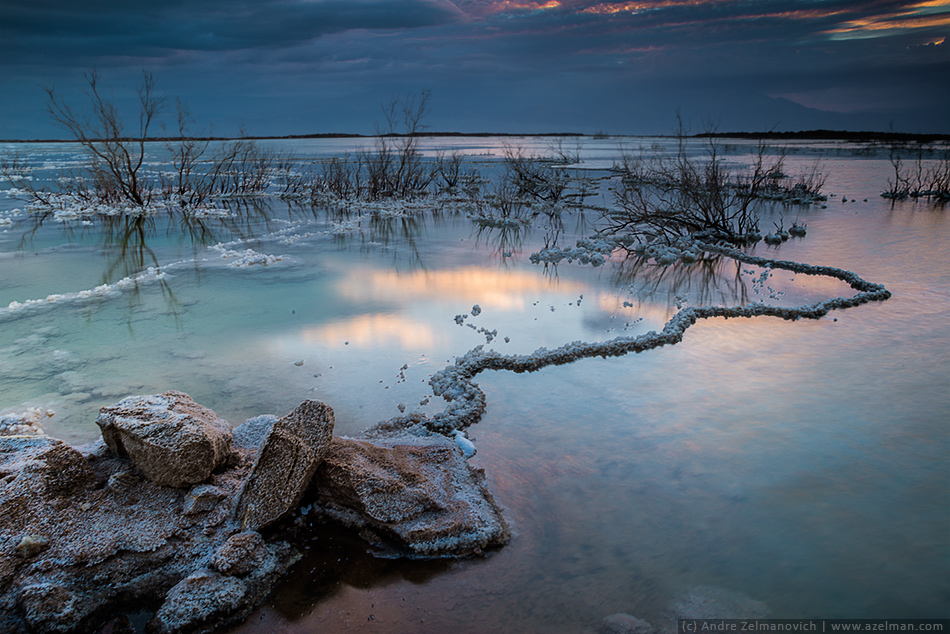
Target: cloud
(279, 63)
(130, 28)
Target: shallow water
(801, 463)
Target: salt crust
(466, 402)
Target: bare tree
(394, 167)
(669, 196)
(117, 154)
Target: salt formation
(466, 402)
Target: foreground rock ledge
(88, 533)
(417, 494)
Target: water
(801, 463)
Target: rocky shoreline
(174, 512)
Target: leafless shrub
(451, 172)
(805, 189)
(666, 196)
(915, 180)
(339, 178)
(534, 178)
(116, 154)
(394, 167)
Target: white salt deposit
(246, 258)
(27, 423)
(465, 402)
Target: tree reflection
(713, 279)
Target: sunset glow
(488, 287)
(930, 14)
(519, 66)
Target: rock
(197, 600)
(48, 607)
(32, 545)
(172, 440)
(289, 455)
(251, 433)
(202, 498)
(81, 536)
(624, 624)
(417, 493)
(241, 554)
(42, 465)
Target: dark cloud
(292, 65)
(122, 28)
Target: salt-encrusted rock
(624, 624)
(202, 498)
(417, 493)
(241, 554)
(250, 434)
(48, 607)
(41, 466)
(172, 439)
(197, 600)
(74, 548)
(291, 452)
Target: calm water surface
(801, 463)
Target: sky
(280, 67)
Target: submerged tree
(117, 153)
(668, 196)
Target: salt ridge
(466, 401)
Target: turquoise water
(801, 463)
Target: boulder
(291, 451)
(416, 493)
(199, 599)
(170, 438)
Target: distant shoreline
(828, 135)
(326, 135)
(814, 135)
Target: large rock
(172, 440)
(292, 449)
(416, 493)
(83, 538)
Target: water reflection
(503, 241)
(488, 287)
(336, 561)
(372, 332)
(713, 279)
